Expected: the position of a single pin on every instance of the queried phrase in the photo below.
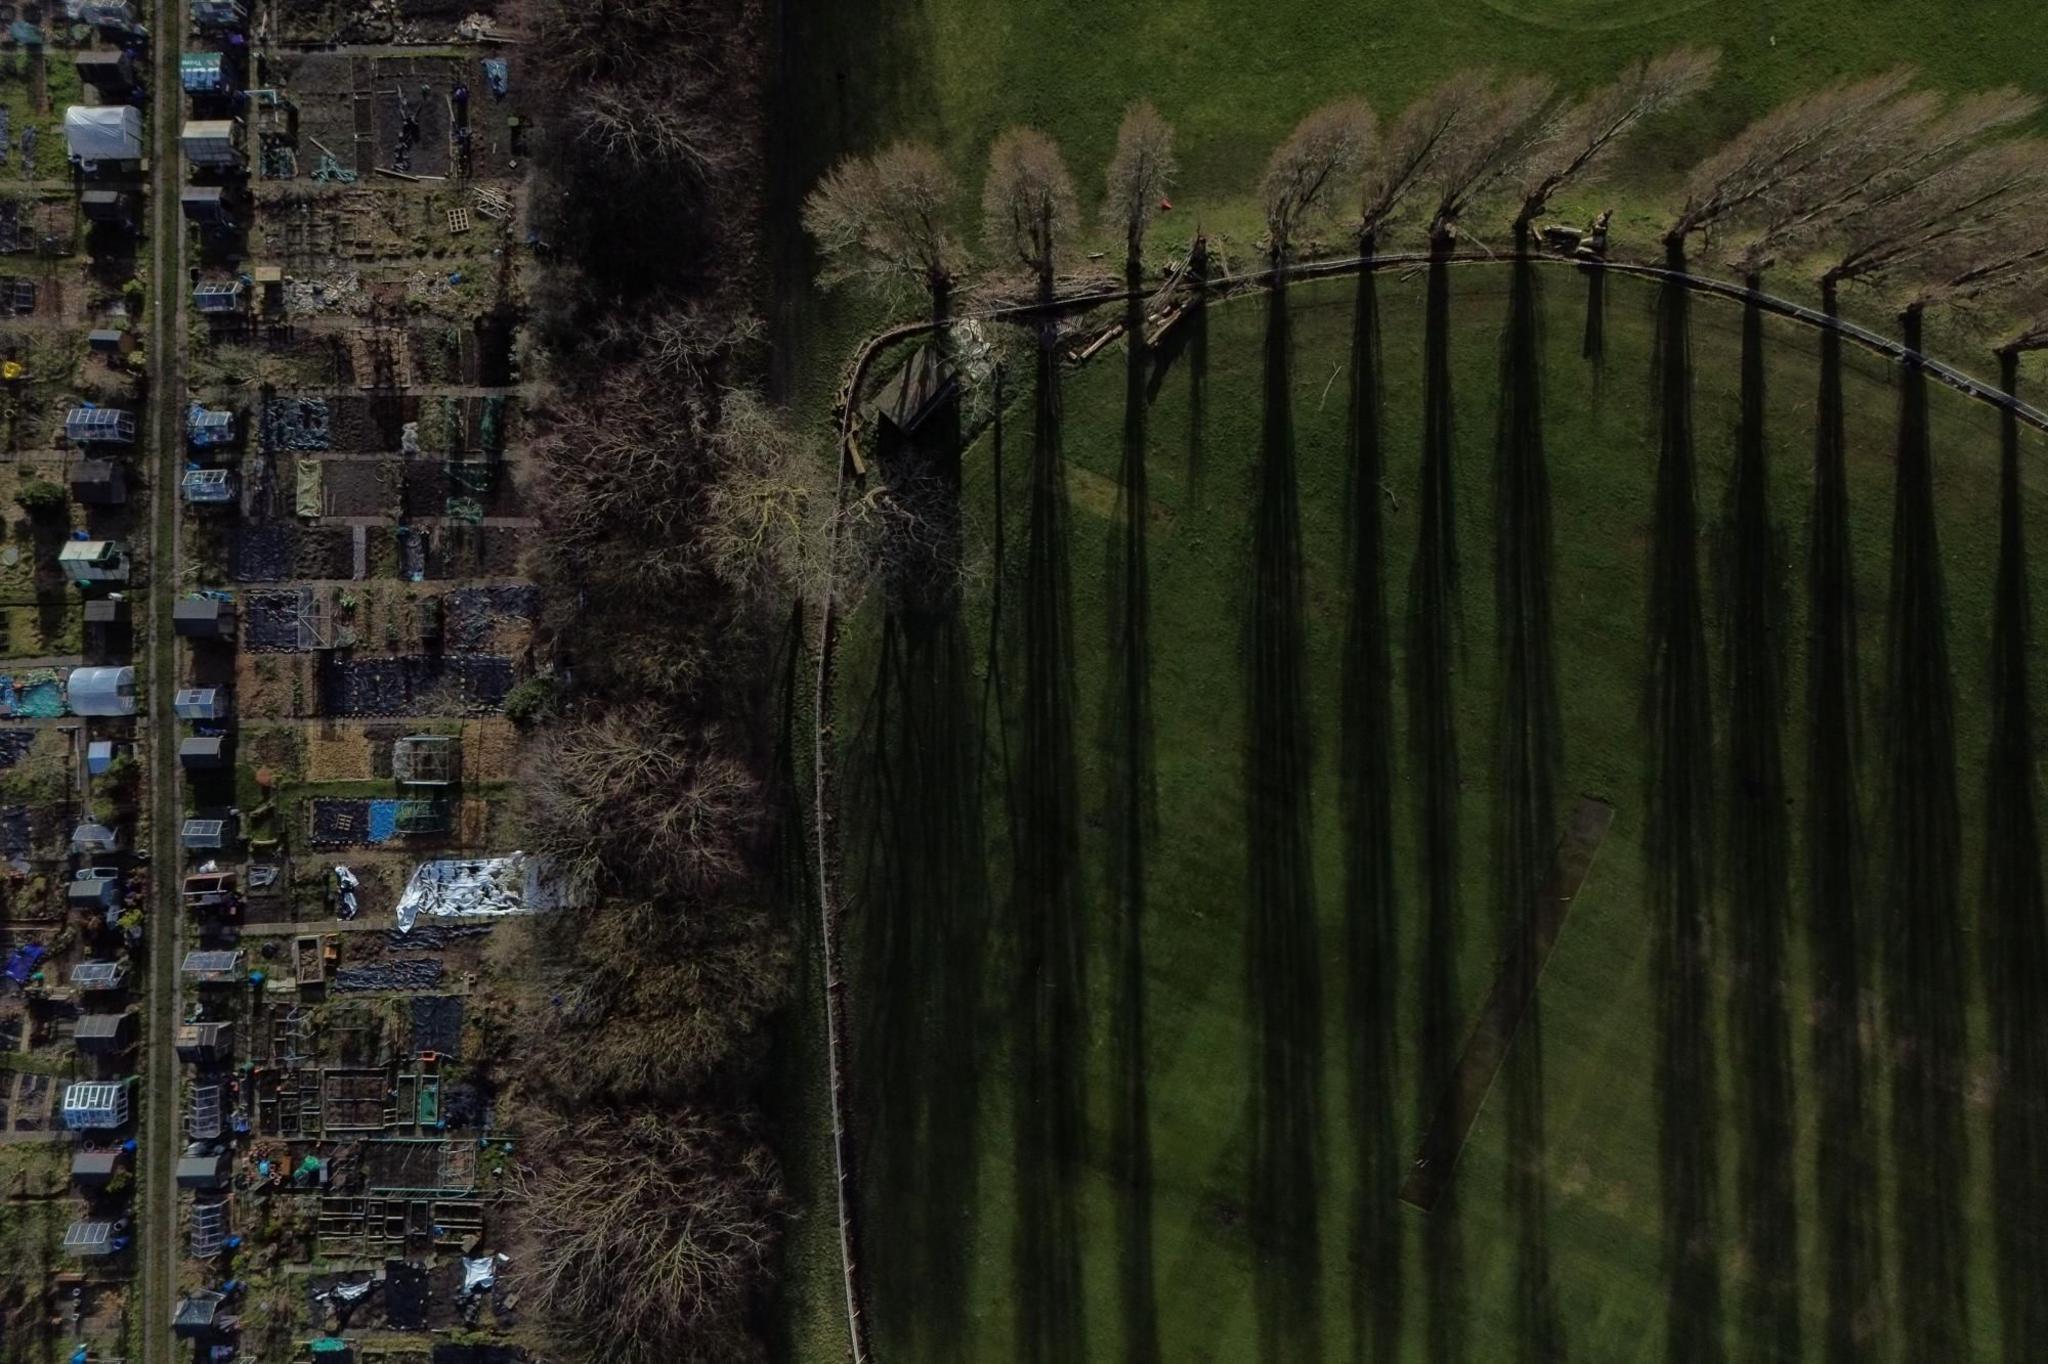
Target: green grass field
(942, 1189)
(1599, 1024)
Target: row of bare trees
(679, 516)
(1869, 181)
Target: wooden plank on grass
(1437, 1157)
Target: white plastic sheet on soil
(476, 887)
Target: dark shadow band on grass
(1430, 1182)
(1433, 735)
(1527, 767)
(1282, 958)
(1845, 1162)
(2015, 958)
(1681, 839)
(1922, 906)
(1759, 878)
(920, 925)
(1371, 914)
(1128, 754)
(1050, 1034)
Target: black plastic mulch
(413, 973)
(270, 620)
(14, 745)
(405, 1296)
(437, 1025)
(340, 822)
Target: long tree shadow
(1188, 336)
(1283, 964)
(1680, 837)
(2016, 933)
(921, 920)
(1134, 813)
(1923, 906)
(1759, 876)
(1845, 1171)
(1432, 618)
(1526, 769)
(1366, 796)
(1049, 1036)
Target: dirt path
(158, 1163)
(1513, 988)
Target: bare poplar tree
(1027, 203)
(1310, 171)
(1141, 171)
(1402, 160)
(1583, 135)
(1888, 156)
(1946, 218)
(1490, 142)
(1785, 147)
(880, 221)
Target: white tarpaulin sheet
(104, 132)
(478, 887)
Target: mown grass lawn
(1232, 79)
(1599, 1021)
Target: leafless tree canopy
(1140, 173)
(1403, 160)
(626, 804)
(1027, 202)
(1310, 173)
(644, 999)
(880, 221)
(1763, 168)
(768, 503)
(1952, 216)
(1486, 144)
(650, 1235)
(1580, 138)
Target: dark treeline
(653, 1198)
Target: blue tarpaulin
(21, 962)
(498, 76)
(383, 820)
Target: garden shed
(105, 69)
(103, 132)
(111, 207)
(103, 1034)
(209, 889)
(198, 1313)
(99, 483)
(203, 1172)
(94, 1168)
(93, 892)
(202, 1042)
(204, 73)
(206, 205)
(217, 296)
(913, 393)
(203, 618)
(214, 142)
(200, 703)
(101, 691)
(207, 428)
(85, 562)
(96, 1105)
(203, 753)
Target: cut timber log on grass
(1087, 352)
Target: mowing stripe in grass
(1436, 1157)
